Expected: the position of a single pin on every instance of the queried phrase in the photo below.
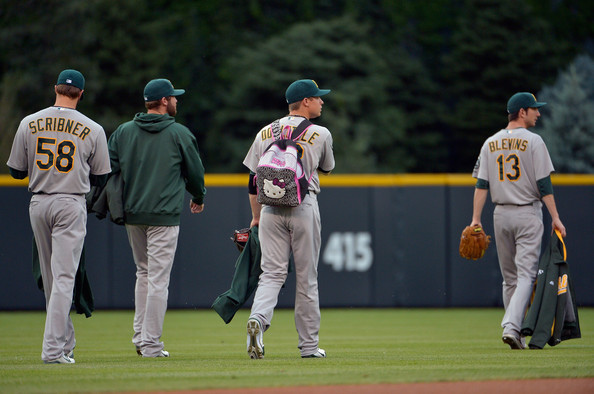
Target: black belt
(50, 194)
(515, 205)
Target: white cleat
(162, 353)
(320, 353)
(63, 359)
(255, 345)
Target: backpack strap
(300, 129)
(276, 130)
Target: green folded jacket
(552, 316)
(82, 297)
(245, 279)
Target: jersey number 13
(514, 172)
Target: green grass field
(364, 346)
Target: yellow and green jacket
(552, 316)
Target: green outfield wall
(388, 241)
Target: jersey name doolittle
(508, 144)
(316, 142)
(65, 125)
(306, 137)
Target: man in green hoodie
(157, 158)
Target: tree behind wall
(368, 129)
(491, 59)
(109, 42)
(120, 45)
(567, 122)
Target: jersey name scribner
(65, 125)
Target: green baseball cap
(303, 88)
(522, 100)
(71, 77)
(159, 88)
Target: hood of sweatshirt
(153, 123)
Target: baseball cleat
(320, 353)
(255, 345)
(63, 359)
(162, 353)
(513, 342)
(138, 351)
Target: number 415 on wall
(349, 251)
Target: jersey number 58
(64, 159)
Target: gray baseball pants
(282, 231)
(59, 223)
(518, 234)
(153, 248)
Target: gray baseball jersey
(297, 230)
(316, 141)
(59, 147)
(512, 161)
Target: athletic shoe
(71, 354)
(513, 341)
(63, 359)
(138, 351)
(320, 353)
(162, 353)
(255, 345)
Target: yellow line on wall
(7, 180)
(389, 180)
(572, 179)
(364, 180)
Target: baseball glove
(240, 238)
(474, 242)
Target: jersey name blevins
(59, 124)
(508, 144)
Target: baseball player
(514, 164)
(63, 152)
(158, 160)
(284, 230)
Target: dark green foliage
(499, 47)
(567, 122)
(417, 85)
(368, 130)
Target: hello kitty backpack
(280, 177)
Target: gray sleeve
(327, 162)
(481, 168)
(543, 166)
(99, 162)
(253, 156)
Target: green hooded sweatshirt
(158, 158)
